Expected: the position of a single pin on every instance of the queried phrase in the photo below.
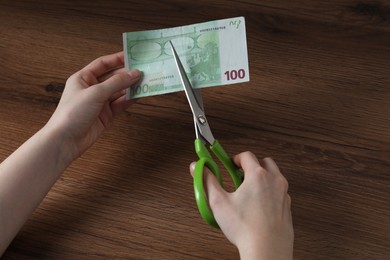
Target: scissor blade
(192, 99)
(198, 96)
(195, 101)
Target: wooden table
(318, 102)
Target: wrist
(62, 146)
(265, 248)
(249, 250)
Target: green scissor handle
(205, 159)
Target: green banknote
(213, 53)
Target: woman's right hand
(257, 216)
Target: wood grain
(318, 102)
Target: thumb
(213, 189)
(192, 168)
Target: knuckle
(289, 200)
(283, 183)
(259, 175)
(260, 171)
(248, 154)
(72, 78)
(87, 77)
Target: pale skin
(256, 218)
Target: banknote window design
(204, 65)
(200, 52)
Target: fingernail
(192, 166)
(134, 73)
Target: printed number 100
(234, 74)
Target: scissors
(205, 137)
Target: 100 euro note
(213, 53)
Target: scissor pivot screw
(202, 120)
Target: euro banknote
(213, 53)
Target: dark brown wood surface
(318, 102)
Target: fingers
(270, 165)
(213, 189)
(104, 64)
(111, 73)
(105, 79)
(246, 161)
(120, 104)
(192, 168)
(116, 83)
(99, 70)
